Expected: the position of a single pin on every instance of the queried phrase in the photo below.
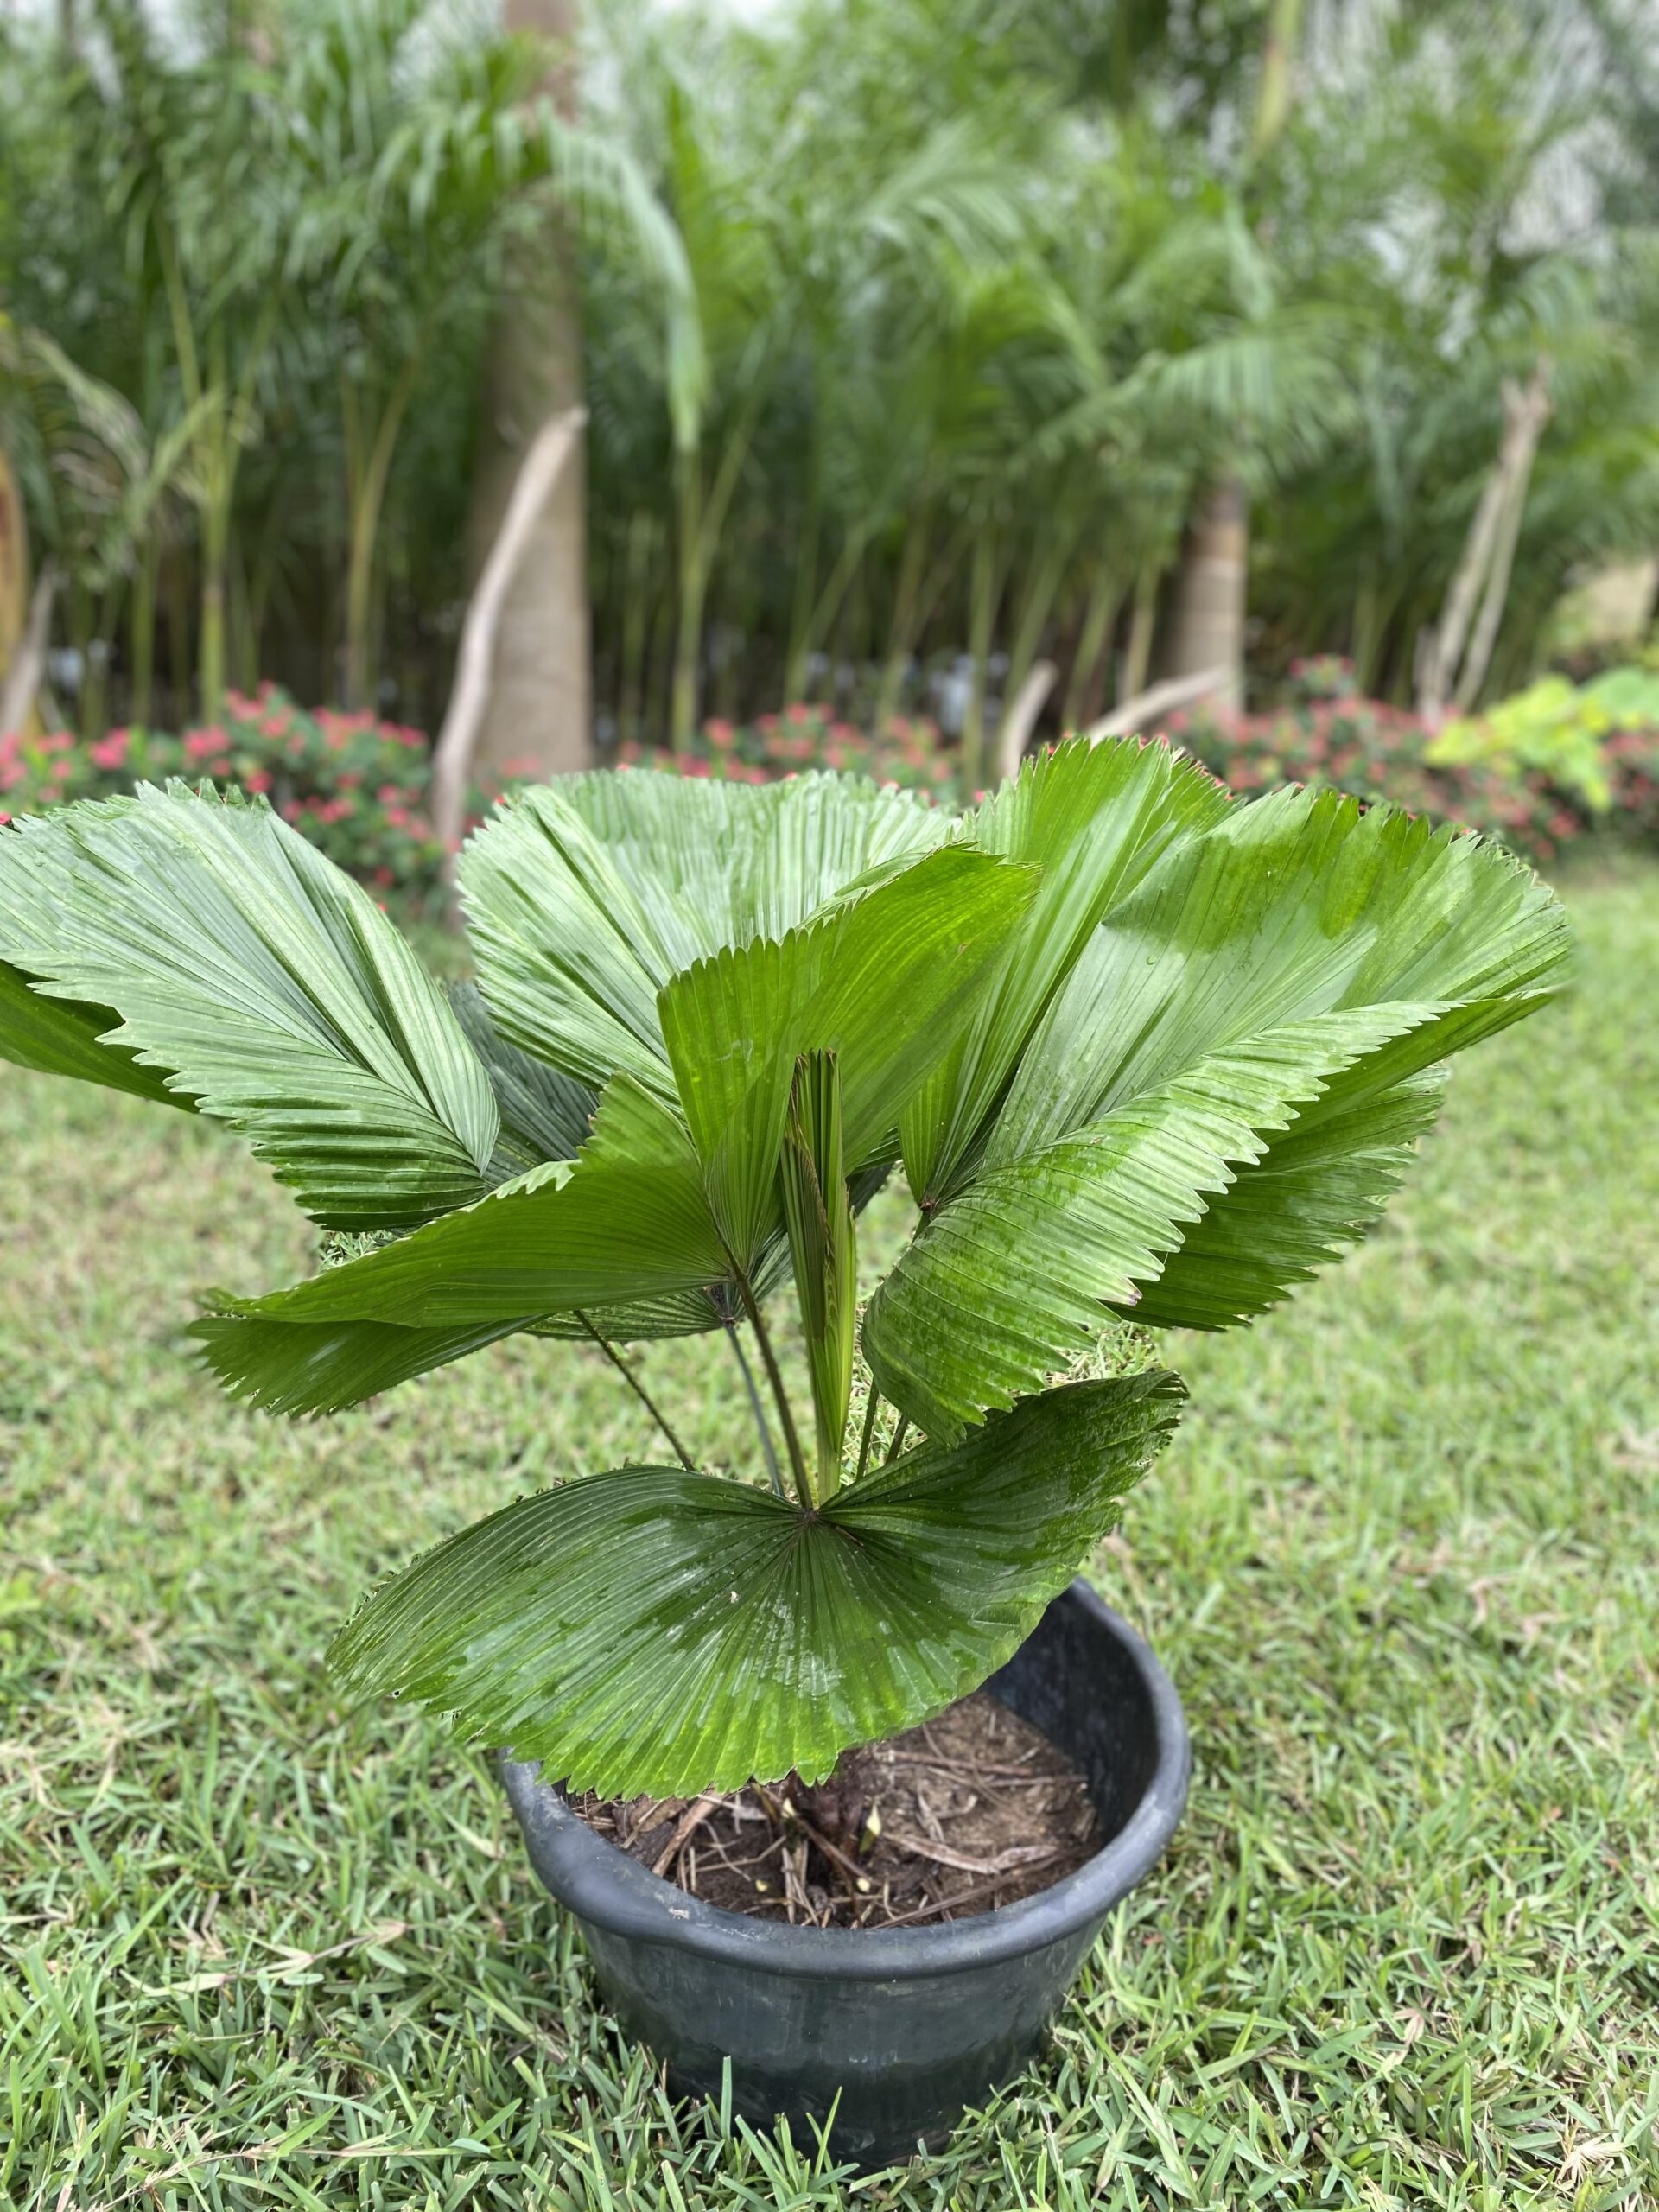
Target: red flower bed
(1377, 752)
(357, 787)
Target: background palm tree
(916, 339)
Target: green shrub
(1561, 731)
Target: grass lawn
(259, 1949)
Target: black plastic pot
(907, 2025)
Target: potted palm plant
(1138, 1051)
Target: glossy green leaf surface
(544, 1114)
(584, 898)
(1246, 1031)
(1010, 1281)
(267, 986)
(882, 981)
(650, 1630)
(1093, 820)
(818, 1215)
(1296, 906)
(1285, 1215)
(625, 1220)
(57, 1037)
(322, 1367)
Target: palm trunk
(630, 650)
(81, 645)
(1535, 407)
(701, 518)
(210, 650)
(540, 704)
(801, 603)
(14, 567)
(101, 654)
(831, 599)
(1041, 591)
(215, 539)
(1487, 552)
(1273, 88)
(1207, 616)
(368, 501)
(177, 577)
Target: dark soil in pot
(895, 2029)
(975, 1809)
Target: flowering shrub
(1379, 751)
(1321, 676)
(909, 753)
(355, 787)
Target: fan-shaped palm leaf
(652, 1630)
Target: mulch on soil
(974, 1809)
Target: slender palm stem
(898, 1439)
(869, 1430)
(639, 1390)
(786, 1419)
(758, 1410)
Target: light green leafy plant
(1139, 1051)
(1556, 728)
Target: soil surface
(974, 1809)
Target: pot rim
(601, 1884)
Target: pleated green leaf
(544, 1114)
(58, 1037)
(322, 1367)
(650, 1630)
(1312, 1192)
(882, 981)
(818, 1215)
(1094, 819)
(1340, 953)
(264, 984)
(1009, 1280)
(585, 897)
(627, 1220)
(1296, 906)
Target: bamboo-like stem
(141, 630)
(639, 1390)
(368, 498)
(758, 1410)
(802, 599)
(1138, 656)
(984, 592)
(1104, 597)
